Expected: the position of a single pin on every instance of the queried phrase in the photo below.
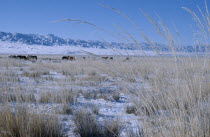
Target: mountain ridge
(52, 40)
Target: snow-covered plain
(19, 48)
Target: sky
(36, 16)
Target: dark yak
(68, 58)
(64, 58)
(31, 57)
(13, 56)
(127, 58)
(104, 57)
(21, 57)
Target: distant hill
(52, 40)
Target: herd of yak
(22, 57)
(34, 58)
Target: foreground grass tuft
(87, 125)
(21, 123)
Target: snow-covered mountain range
(52, 40)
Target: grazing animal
(105, 57)
(31, 57)
(127, 58)
(111, 58)
(21, 57)
(13, 56)
(68, 58)
(71, 58)
(65, 58)
(84, 57)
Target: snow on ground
(108, 109)
(19, 48)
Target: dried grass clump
(88, 126)
(9, 76)
(65, 97)
(35, 74)
(131, 110)
(21, 123)
(175, 98)
(10, 63)
(113, 128)
(18, 98)
(136, 132)
(67, 110)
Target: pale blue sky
(34, 16)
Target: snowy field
(51, 86)
(19, 48)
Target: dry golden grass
(64, 97)
(88, 126)
(173, 94)
(21, 123)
